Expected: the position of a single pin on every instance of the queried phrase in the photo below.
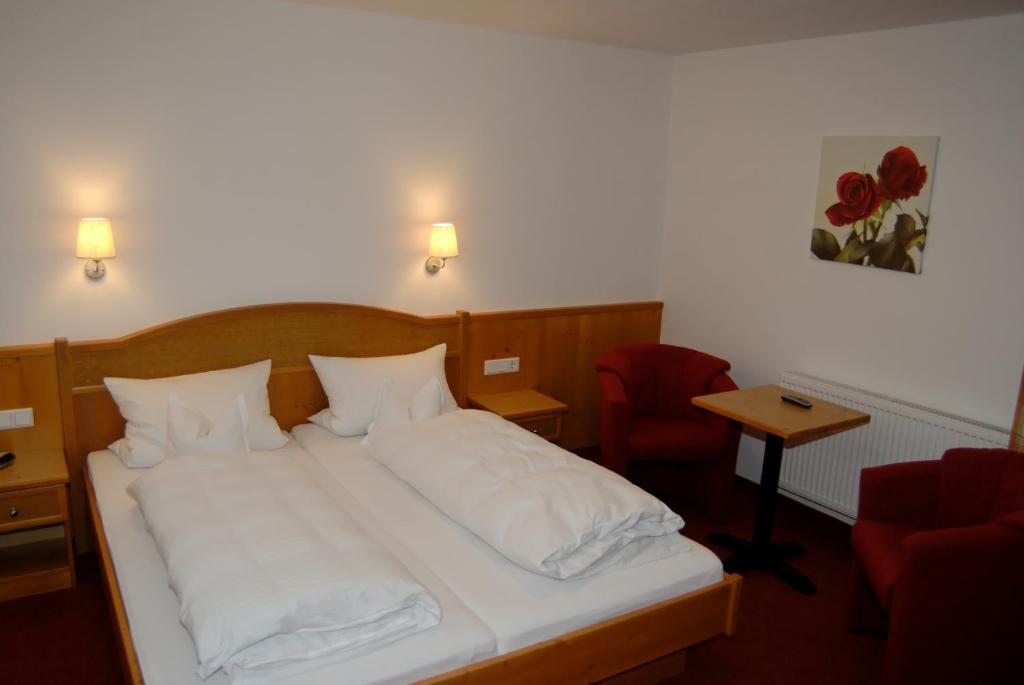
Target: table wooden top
(762, 408)
(518, 404)
(34, 469)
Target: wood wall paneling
(557, 349)
(28, 378)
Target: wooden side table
(33, 499)
(534, 411)
(763, 409)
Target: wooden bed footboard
(655, 636)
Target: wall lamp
(443, 246)
(95, 243)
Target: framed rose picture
(873, 200)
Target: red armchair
(651, 431)
(938, 556)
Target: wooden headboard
(283, 333)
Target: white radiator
(826, 473)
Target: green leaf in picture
(854, 252)
(824, 245)
(916, 240)
(905, 227)
(892, 256)
(924, 217)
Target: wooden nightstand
(534, 411)
(35, 531)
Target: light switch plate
(493, 367)
(23, 418)
(6, 420)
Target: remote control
(798, 401)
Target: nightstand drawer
(31, 508)
(547, 427)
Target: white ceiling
(680, 26)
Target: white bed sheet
(165, 649)
(521, 608)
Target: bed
(592, 635)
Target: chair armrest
(615, 420)
(958, 595)
(967, 556)
(905, 493)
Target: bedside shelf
(533, 410)
(35, 533)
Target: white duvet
(540, 506)
(268, 568)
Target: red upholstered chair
(651, 431)
(939, 557)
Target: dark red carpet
(60, 637)
(784, 637)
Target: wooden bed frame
(644, 646)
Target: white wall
(738, 279)
(254, 150)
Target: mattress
(165, 649)
(520, 607)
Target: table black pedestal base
(771, 556)
(760, 552)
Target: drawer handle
(13, 513)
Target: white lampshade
(95, 239)
(443, 242)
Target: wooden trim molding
(35, 350)
(569, 311)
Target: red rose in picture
(858, 198)
(900, 175)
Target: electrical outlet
(16, 418)
(493, 367)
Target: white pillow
(143, 404)
(394, 410)
(353, 385)
(189, 432)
